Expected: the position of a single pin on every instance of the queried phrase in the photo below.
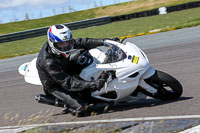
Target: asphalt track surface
(175, 52)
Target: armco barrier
(43, 31)
(156, 11)
(135, 15)
(95, 22)
(183, 6)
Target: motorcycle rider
(56, 71)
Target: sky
(17, 10)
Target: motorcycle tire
(168, 87)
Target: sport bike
(129, 75)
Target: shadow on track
(105, 108)
(146, 103)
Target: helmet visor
(63, 46)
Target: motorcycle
(130, 75)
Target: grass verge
(180, 19)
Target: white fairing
(123, 84)
(131, 67)
(30, 73)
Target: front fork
(144, 85)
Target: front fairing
(129, 70)
(133, 61)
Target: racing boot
(79, 112)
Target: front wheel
(168, 87)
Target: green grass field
(180, 19)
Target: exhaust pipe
(49, 100)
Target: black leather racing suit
(57, 73)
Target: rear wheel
(168, 87)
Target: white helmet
(59, 39)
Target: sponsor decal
(135, 59)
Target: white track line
(15, 130)
(102, 121)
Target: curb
(148, 33)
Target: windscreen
(113, 53)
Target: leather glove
(100, 84)
(104, 76)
